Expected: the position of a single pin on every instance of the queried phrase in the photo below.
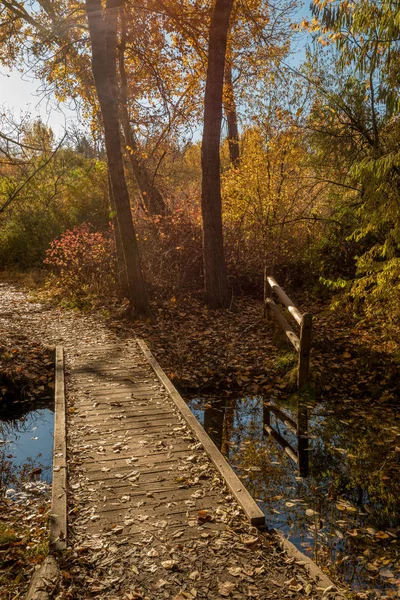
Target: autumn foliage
(83, 263)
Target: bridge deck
(142, 469)
(147, 506)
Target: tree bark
(231, 117)
(151, 195)
(122, 277)
(215, 279)
(103, 37)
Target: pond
(26, 450)
(346, 513)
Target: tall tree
(103, 38)
(215, 278)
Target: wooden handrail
(285, 445)
(290, 334)
(284, 298)
(290, 424)
(302, 344)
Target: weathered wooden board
(250, 507)
(58, 517)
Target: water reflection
(26, 448)
(299, 428)
(346, 513)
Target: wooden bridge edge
(58, 517)
(238, 490)
(313, 570)
(45, 579)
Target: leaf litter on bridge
(237, 562)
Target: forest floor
(201, 352)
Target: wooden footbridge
(133, 452)
(140, 488)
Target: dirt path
(225, 559)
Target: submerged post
(302, 438)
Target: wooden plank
(44, 581)
(251, 509)
(290, 424)
(138, 420)
(149, 411)
(119, 463)
(287, 448)
(131, 441)
(291, 452)
(284, 298)
(145, 529)
(126, 393)
(290, 334)
(58, 517)
(110, 491)
(99, 435)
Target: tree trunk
(214, 417)
(151, 195)
(231, 117)
(215, 279)
(103, 37)
(122, 277)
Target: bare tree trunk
(215, 279)
(231, 117)
(103, 37)
(151, 195)
(122, 277)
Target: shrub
(83, 263)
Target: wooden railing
(298, 455)
(302, 345)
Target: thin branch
(36, 171)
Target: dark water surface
(26, 443)
(346, 513)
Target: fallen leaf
(226, 588)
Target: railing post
(267, 290)
(302, 438)
(302, 380)
(304, 352)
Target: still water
(346, 513)
(26, 446)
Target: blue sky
(20, 94)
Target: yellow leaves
(335, 36)
(312, 26)
(323, 41)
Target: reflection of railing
(302, 344)
(300, 429)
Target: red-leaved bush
(83, 262)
